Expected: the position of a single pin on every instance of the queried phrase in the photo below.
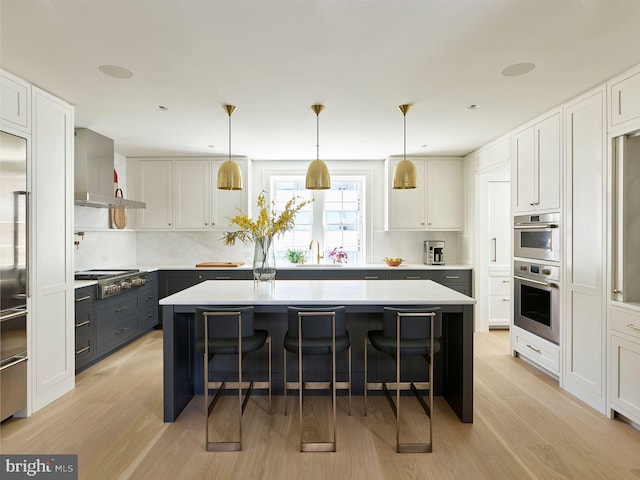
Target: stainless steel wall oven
(537, 299)
(537, 237)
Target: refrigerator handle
(27, 231)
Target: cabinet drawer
(84, 329)
(500, 285)
(626, 321)
(118, 332)
(85, 295)
(148, 319)
(111, 312)
(499, 307)
(228, 275)
(447, 277)
(537, 350)
(148, 298)
(412, 275)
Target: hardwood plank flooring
(525, 427)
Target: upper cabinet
(15, 102)
(536, 166)
(624, 99)
(435, 204)
(181, 194)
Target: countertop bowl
(393, 263)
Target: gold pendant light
(404, 174)
(229, 174)
(317, 172)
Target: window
(335, 218)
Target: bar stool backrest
(225, 326)
(412, 328)
(313, 326)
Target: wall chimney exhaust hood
(94, 155)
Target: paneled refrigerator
(14, 284)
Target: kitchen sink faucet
(318, 257)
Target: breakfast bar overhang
(364, 301)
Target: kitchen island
(364, 301)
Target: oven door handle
(537, 282)
(535, 226)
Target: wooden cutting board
(219, 264)
(118, 214)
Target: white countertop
(83, 283)
(307, 266)
(318, 292)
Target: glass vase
(264, 260)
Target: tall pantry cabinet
(47, 124)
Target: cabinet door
(524, 174)
(444, 195)
(548, 159)
(51, 356)
(227, 204)
(624, 100)
(406, 208)
(191, 189)
(623, 375)
(156, 189)
(15, 102)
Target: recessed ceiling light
(473, 106)
(518, 69)
(162, 107)
(115, 71)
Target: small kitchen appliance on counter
(434, 252)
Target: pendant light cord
(229, 136)
(404, 116)
(318, 136)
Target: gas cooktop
(99, 274)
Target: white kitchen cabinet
(192, 193)
(226, 204)
(584, 326)
(445, 195)
(624, 362)
(536, 349)
(15, 102)
(51, 348)
(536, 166)
(624, 99)
(155, 187)
(182, 194)
(406, 208)
(435, 204)
(499, 300)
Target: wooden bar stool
(317, 331)
(229, 331)
(406, 332)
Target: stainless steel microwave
(537, 237)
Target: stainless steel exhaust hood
(94, 155)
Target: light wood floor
(525, 428)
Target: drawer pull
(506, 299)
(223, 278)
(82, 299)
(631, 325)
(413, 278)
(124, 307)
(82, 350)
(122, 330)
(534, 349)
(371, 278)
(150, 297)
(86, 322)
(506, 281)
(451, 277)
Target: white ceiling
(274, 59)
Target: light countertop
(307, 266)
(318, 292)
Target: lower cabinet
(536, 349)
(499, 301)
(103, 326)
(624, 363)
(85, 331)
